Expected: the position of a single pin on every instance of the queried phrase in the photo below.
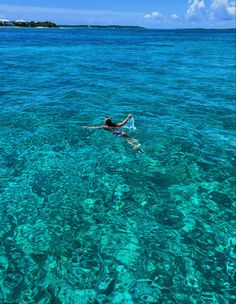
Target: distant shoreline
(103, 26)
(70, 26)
(110, 27)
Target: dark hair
(109, 123)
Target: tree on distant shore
(29, 24)
(43, 24)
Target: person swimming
(113, 127)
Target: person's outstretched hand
(129, 116)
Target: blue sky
(147, 13)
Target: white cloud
(231, 10)
(216, 12)
(156, 14)
(196, 10)
(153, 15)
(147, 16)
(222, 10)
(174, 16)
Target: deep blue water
(84, 217)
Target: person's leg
(130, 140)
(134, 143)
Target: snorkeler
(113, 127)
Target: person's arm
(120, 124)
(94, 127)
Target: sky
(147, 13)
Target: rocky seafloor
(87, 222)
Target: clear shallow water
(84, 217)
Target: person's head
(109, 123)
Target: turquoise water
(84, 217)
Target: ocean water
(84, 217)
